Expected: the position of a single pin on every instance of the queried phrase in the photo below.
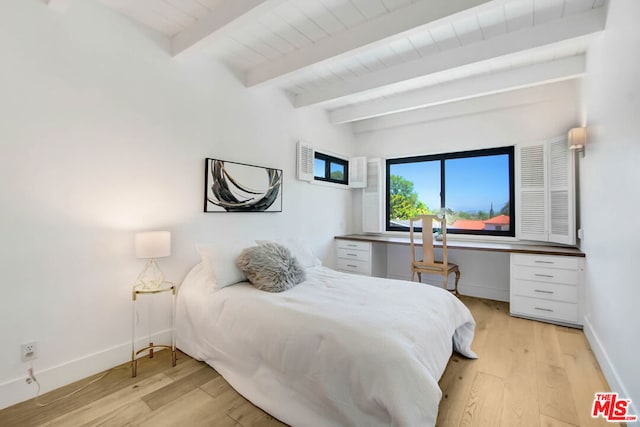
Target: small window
(330, 169)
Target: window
(476, 188)
(330, 169)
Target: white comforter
(336, 350)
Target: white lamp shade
(153, 244)
(577, 138)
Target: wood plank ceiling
(368, 58)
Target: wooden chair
(428, 264)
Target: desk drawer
(544, 309)
(353, 254)
(542, 290)
(548, 275)
(545, 261)
(354, 266)
(353, 245)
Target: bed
(336, 350)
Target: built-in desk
(541, 282)
(509, 247)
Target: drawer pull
(544, 262)
(352, 266)
(543, 292)
(543, 275)
(352, 246)
(352, 254)
(544, 309)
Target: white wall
(609, 177)
(103, 134)
(488, 125)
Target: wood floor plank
(483, 311)
(584, 384)
(484, 405)
(554, 393)
(193, 409)
(520, 405)
(249, 415)
(584, 374)
(216, 386)
(455, 385)
(225, 398)
(495, 358)
(175, 389)
(547, 346)
(132, 413)
(546, 421)
(187, 367)
(110, 403)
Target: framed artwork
(236, 187)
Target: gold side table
(139, 290)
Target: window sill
(330, 184)
(476, 238)
(459, 237)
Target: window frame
(442, 157)
(328, 159)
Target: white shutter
(545, 202)
(372, 198)
(561, 193)
(305, 158)
(358, 172)
(531, 184)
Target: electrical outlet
(29, 351)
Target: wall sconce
(578, 139)
(150, 245)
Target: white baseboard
(465, 288)
(609, 371)
(17, 390)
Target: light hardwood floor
(528, 374)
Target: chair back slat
(428, 252)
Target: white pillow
(197, 280)
(220, 263)
(299, 249)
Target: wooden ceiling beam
(567, 89)
(570, 28)
(225, 18)
(384, 29)
(472, 87)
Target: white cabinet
(547, 288)
(360, 257)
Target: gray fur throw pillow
(270, 267)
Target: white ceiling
(368, 58)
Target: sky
(472, 184)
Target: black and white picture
(236, 187)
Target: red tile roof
(498, 220)
(468, 224)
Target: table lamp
(150, 245)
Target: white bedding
(336, 350)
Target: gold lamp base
(151, 277)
